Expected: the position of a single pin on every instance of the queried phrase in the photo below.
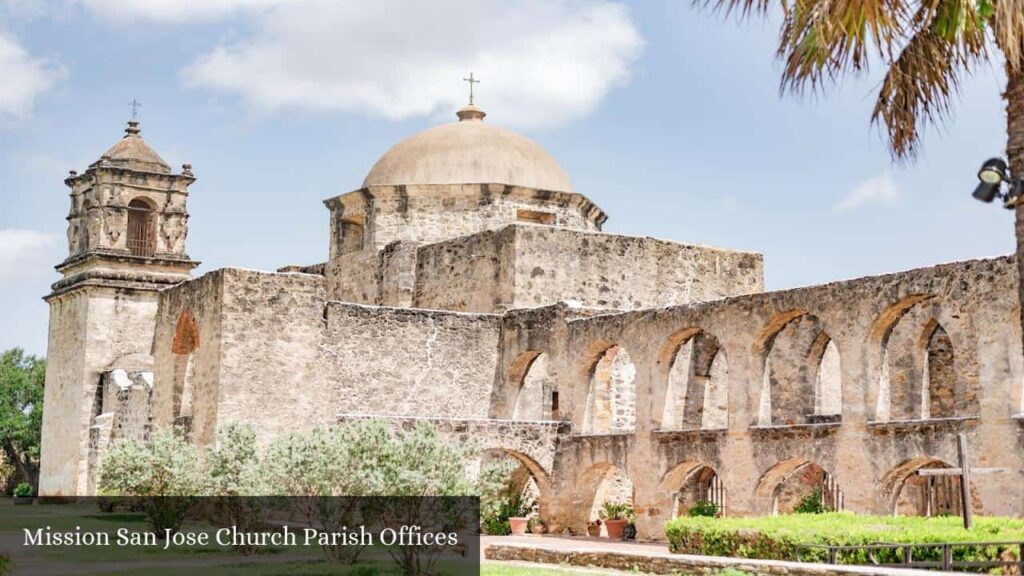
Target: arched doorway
(793, 483)
(911, 494)
(512, 483)
(691, 484)
(601, 484)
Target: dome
(469, 152)
(133, 153)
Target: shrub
(235, 469)
(165, 472)
(703, 508)
(813, 503)
(370, 458)
(782, 537)
(23, 490)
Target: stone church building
(470, 285)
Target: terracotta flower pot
(594, 530)
(616, 529)
(518, 526)
(538, 528)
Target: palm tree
(927, 46)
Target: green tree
(926, 48)
(21, 411)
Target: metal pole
(965, 481)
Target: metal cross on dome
(471, 81)
(135, 104)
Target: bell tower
(126, 233)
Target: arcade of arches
(755, 403)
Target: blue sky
(667, 117)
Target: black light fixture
(993, 174)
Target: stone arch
(691, 482)
(184, 346)
(801, 377)
(695, 370)
(610, 405)
(528, 477)
(788, 482)
(602, 482)
(905, 493)
(141, 240)
(536, 392)
(919, 375)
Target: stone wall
(526, 265)
(194, 312)
(777, 345)
(402, 362)
(625, 272)
(471, 273)
(273, 351)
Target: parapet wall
(524, 266)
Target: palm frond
(824, 39)
(1008, 26)
(918, 88)
(743, 8)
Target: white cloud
(24, 78)
(878, 190)
(25, 254)
(540, 62)
(173, 11)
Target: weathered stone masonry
(469, 287)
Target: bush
(164, 472)
(782, 537)
(234, 469)
(812, 504)
(703, 508)
(23, 490)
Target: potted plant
(23, 494)
(536, 525)
(616, 515)
(519, 510)
(594, 529)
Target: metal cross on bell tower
(471, 81)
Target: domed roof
(133, 153)
(469, 152)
